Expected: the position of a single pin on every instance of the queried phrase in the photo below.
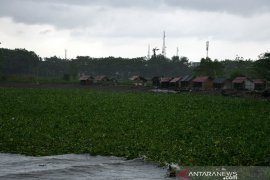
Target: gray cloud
(42, 11)
(46, 31)
(58, 15)
(245, 7)
(72, 14)
(145, 18)
(108, 3)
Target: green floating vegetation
(181, 128)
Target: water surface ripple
(79, 167)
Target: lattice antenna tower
(164, 44)
(148, 54)
(65, 54)
(207, 49)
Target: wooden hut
(165, 82)
(86, 80)
(202, 83)
(222, 83)
(175, 83)
(186, 82)
(243, 83)
(138, 80)
(100, 79)
(259, 84)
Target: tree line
(255, 69)
(21, 62)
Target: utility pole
(207, 49)
(177, 51)
(164, 44)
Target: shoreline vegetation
(186, 129)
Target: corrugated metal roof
(201, 79)
(165, 79)
(239, 79)
(84, 78)
(187, 78)
(259, 81)
(100, 78)
(136, 78)
(174, 80)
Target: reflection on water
(73, 166)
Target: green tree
(176, 59)
(236, 74)
(1, 61)
(210, 68)
(262, 66)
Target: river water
(79, 167)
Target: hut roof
(187, 78)
(137, 78)
(84, 78)
(201, 79)
(239, 79)
(100, 78)
(259, 81)
(165, 79)
(174, 80)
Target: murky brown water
(73, 166)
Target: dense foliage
(181, 128)
(18, 62)
(263, 66)
(27, 63)
(210, 68)
(14, 63)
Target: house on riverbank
(202, 83)
(222, 83)
(165, 82)
(175, 83)
(259, 84)
(86, 80)
(138, 80)
(100, 79)
(243, 83)
(186, 82)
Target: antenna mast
(164, 44)
(65, 54)
(207, 48)
(148, 55)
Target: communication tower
(164, 44)
(207, 48)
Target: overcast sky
(100, 28)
